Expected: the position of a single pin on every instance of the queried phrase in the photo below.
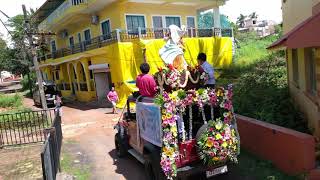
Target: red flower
(160, 69)
(170, 67)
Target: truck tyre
(148, 167)
(121, 145)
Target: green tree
(21, 58)
(253, 15)
(240, 20)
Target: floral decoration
(218, 143)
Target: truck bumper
(198, 169)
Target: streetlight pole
(35, 59)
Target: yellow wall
(307, 104)
(116, 12)
(296, 11)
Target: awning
(304, 35)
(98, 66)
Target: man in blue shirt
(202, 61)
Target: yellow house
(301, 22)
(99, 43)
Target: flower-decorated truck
(185, 130)
(181, 132)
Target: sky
(266, 9)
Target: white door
(102, 85)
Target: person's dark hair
(202, 57)
(145, 68)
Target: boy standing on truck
(206, 67)
(145, 82)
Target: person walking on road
(113, 98)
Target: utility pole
(35, 59)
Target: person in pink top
(113, 98)
(145, 82)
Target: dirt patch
(21, 163)
(74, 163)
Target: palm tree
(240, 20)
(253, 15)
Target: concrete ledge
(290, 151)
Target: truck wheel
(148, 167)
(121, 148)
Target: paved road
(90, 130)
(9, 87)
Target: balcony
(128, 36)
(62, 12)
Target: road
(10, 87)
(88, 130)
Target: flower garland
(218, 143)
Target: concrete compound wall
(290, 151)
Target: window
(191, 22)
(87, 36)
(170, 20)
(91, 71)
(311, 74)
(295, 67)
(71, 41)
(158, 26)
(157, 22)
(53, 46)
(77, 2)
(105, 29)
(134, 22)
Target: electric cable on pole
(35, 59)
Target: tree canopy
(17, 57)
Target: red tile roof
(306, 34)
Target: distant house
(302, 43)
(262, 28)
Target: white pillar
(216, 17)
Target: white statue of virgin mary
(172, 53)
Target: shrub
(10, 100)
(263, 94)
(26, 85)
(260, 84)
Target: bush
(260, 84)
(26, 85)
(7, 101)
(263, 94)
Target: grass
(260, 84)
(252, 166)
(81, 172)
(10, 101)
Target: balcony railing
(127, 36)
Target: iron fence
(50, 155)
(24, 127)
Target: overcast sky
(266, 9)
